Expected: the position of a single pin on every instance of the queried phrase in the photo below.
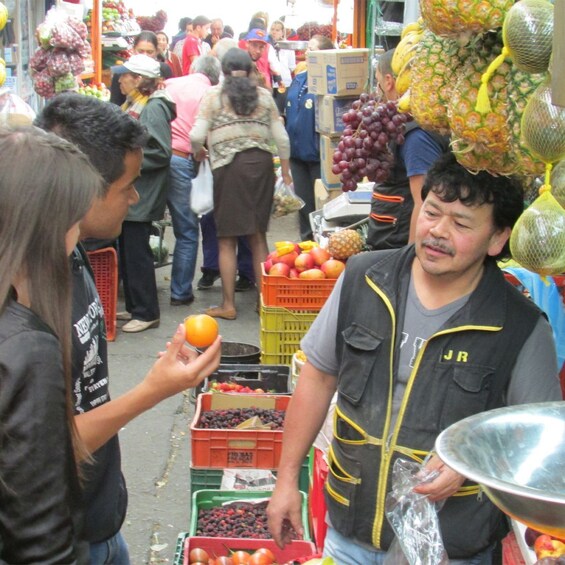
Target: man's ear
(497, 241)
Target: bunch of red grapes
(363, 149)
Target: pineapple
(453, 18)
(481, 141)
(433, 69)
(345, 243)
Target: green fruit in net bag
(543, 125)
(558, 182)
(528, 34)
(538, 238)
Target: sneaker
(135, 326)
(243, 283)
(208, 278)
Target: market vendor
(414, 340)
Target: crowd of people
(416, 335)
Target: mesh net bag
(528, 34)
(558, 183)
(538, 238)
(543, 125)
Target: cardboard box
(341, 72)
(328, 146)
(329, 113)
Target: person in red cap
(263, 55)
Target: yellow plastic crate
(281, 332)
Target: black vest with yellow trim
(461, 370)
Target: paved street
(156, 446)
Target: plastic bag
(413, 518)
(284, 200)
(202, 193)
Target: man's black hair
(450, 181)
(183, 22)
(101, 130)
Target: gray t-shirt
(534, 377)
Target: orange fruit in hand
(201, 330)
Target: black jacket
(40, 517)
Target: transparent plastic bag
(413, 518)
(284, 200)
(202, 193)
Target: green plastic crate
(211, 498)
(211, 479)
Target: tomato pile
(262, 556)
(231, 386)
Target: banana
(405, 50)
(307, 246)
(2, 75)
(3, 16)
(414, 26)
(402, 81)
(403, 103)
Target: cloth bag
(202, 194)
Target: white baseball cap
(140, 65)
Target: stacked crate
(288, 308)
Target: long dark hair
(46, 186)
(240, 89)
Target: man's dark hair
(450, 181)
(384, 64)
(101, 130)
(183, 22)
(200, 21)
(257, 23)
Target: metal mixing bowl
(517, 454)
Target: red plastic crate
(316, 502)
(295, 294)
(511, 554)
(223, 448)
(218, 547)
(104, 264)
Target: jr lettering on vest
(460, 358)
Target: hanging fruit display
(3, 16)
(59, 59)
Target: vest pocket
(358, 357)
(343, 478)
(467, 394)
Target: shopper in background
(154, 108)
(414, 340)
(287, 60)
(46, 187)
(210, 253)
(187, 92)
(178, 45)
(192, 47)
(184, 24)
(216, 32)
(239, 122)
(396, 202)
(304, 140)
(113, 142)
(167, 56)
(145, 43)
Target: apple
(287, 258)
(320, 255)
(267, 265)
(332, 268)
(293, 274)
(546, 546)
(312, 274)
(304, 262)
(280, 270)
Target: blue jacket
(300, 120)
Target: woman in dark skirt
(239, 121)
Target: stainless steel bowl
(517, 454)
(293, 45)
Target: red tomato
(259, 558)
(240, 558)
(198, 555)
